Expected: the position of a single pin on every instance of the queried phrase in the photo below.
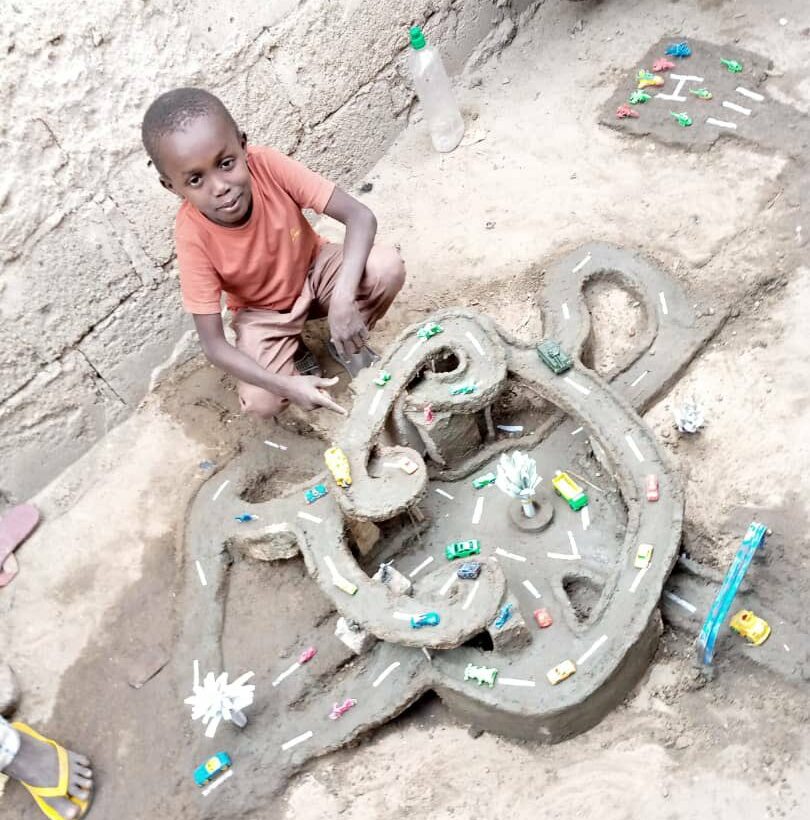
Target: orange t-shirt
(264, 262)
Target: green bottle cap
(417, 38)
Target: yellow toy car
(643, 556)
(338, 465)
(560, 672)
(565, 486)
(751, 626)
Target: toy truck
(553, 356)
(462, 549)
(566, 487)
(543, 618)
(651, 487)
(383, 378)
(643, 556)
(751, 626)
(482, 675)
(338, 465)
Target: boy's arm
(308, 392)
(346, 325)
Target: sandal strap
(61, 788)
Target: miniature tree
(216, 700)
(517, 477)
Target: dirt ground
(536, 177)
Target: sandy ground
(95, 595)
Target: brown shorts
(271, 337)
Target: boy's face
(206, 163)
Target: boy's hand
(346, 326)
(309, 393)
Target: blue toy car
(503, 616)
(216, 764)
(469, 570)
(314, 493)
(428, 619)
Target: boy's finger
(364, 333)
(338, 343)
(331, 382)
(327, 402)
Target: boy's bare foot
(37, 764)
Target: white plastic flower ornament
(517, 476)
(215, 699)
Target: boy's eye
(194, 181)
(227, 163)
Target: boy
(240, 230)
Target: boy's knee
(260, 403)
(389, 267)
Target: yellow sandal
(39, 793)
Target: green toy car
(383, 378)
(484, 481)
(429, 330)
(482, 675)
(462, 549)
(554, 356)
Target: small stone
(366, 187)
(489, 226)
(632, 331)
(683, 742)
(711, 311)
(783, 21)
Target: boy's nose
(221, 187)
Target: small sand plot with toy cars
(691, 93)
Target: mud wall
(89, 309)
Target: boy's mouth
(232, 205)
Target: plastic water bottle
(435, 93)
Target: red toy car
(543, 618)
(652, 488)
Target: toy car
(338, 465)
(307, 655)
(216, 764)
(244, 518)
(504, 616)
(462, 549)
(383, 378)
(565, 486)
(483, 481)
(553, 356)
(429, 330)
(463, 390)
(751, 626)
(481, 674)
(314, 493)
(643, 556)
(469, 570)
(340, 710)
(543, 618)
(560, 672)
(428, 619)
(651, 487)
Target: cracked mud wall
(89, 305)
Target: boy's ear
(167, 184)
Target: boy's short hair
(173, 110)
